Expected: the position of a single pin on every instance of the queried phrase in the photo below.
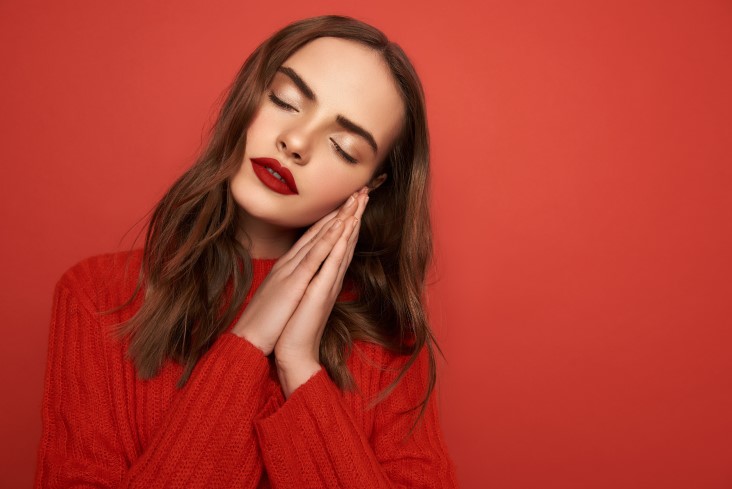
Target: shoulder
(103, 276)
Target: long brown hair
(191, 252)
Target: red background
(581, 196)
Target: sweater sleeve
(207, 438)
(313, 441)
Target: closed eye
(345, 155)
(284, 105)
(277, 101)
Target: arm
(313, 440)
(207, 436)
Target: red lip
(275, 165)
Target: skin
(347, 78)
(287, 314)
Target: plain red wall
(582, 209)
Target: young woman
(272, 331)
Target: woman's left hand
(297, 352)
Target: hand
(297, 352)
(299, 342)
(281, 291)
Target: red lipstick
(286, 185)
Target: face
(298, 125)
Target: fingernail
(350, 202)
(337, 223)
(364, 190)
(355, 221)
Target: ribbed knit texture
(230, 425)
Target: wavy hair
(191, 253)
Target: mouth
(279, 172)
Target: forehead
(353, 80)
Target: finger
(313, 231)
(326, 278)
(363, 199)
(346, 261)
(315, 255)
(305, 249)
(342, 213)
(352, 236)
(352, 239)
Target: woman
(281, 339)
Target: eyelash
(284, 105)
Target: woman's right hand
(279, 294)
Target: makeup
(276, 177)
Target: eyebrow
(340, 119)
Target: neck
(264, 239)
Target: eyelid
(284, 105)
(278, 101)
(350, 159)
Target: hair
(191, 249)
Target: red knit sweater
(230, 425)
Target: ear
(375, 182)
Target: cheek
(258, 126)
(328, 194)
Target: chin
(260, 204)
(255, 208)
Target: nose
(286, 148)
(295, 143)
